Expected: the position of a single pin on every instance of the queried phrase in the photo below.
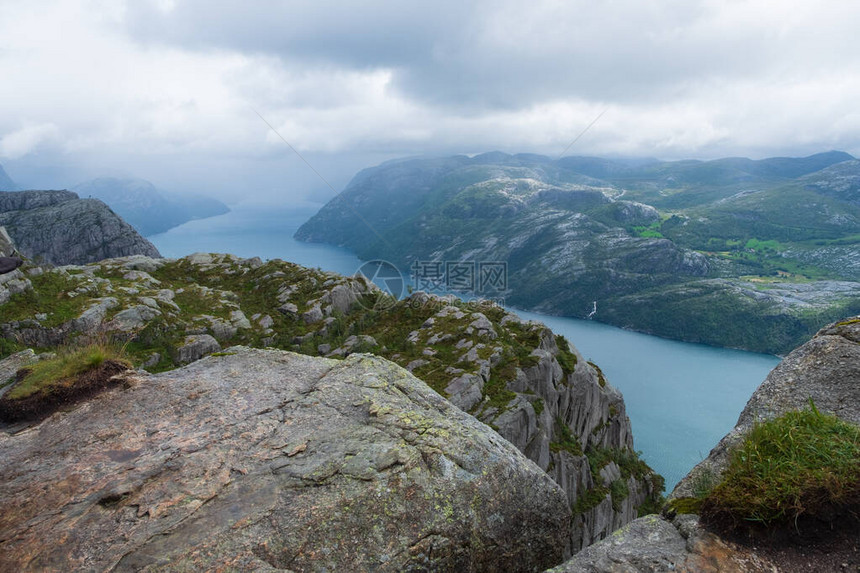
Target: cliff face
(518, 377)
(60, 228)
(827, 370)
(272, 461)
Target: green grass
(801, 464)
(49, 295)
(566, 358)
(68, 363)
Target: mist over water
(681, 398)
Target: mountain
(517, 377)
(145, 207)
(6, 184)
(732, 252)
(58, 227)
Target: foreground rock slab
(267, 460)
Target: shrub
(803, 464)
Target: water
(681, 398)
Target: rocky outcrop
(652, 544)
(533, 387)
(224, 465)
(825, 370)
(59, 228)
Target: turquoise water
(681, 398)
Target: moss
(601, 379)
(849, 322)
(685, 505)
(538, 406)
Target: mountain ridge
(570, 239)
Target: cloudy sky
(170, 90)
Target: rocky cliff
(530, 385)
(59, 228)
(263, 460)
(826, 370)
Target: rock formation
(827, 370)
(59, 228)
(531, 386)
(263, 460)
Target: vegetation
(45, 376)
(799, 466)
(566, 440)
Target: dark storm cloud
(492, 54)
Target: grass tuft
(802, 464)
(46, 375)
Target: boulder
(267, 460)
(196, 347)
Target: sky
(182, 92)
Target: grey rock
(92, 318)
(314, 314)
(196, 469)
(152, 360)
(361, 342)
(196, 347)
(132, 318)
(11, 364)
(288, 309)
(60, 228)
(220, 328)
(239, 320)
(7, 246)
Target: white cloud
(164, 86)
(26, 139)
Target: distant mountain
(6, 183)
(58, 227)
(755, 254)
(146, 208)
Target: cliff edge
(825, 370)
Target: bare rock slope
(59, 228)
(264, 460)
